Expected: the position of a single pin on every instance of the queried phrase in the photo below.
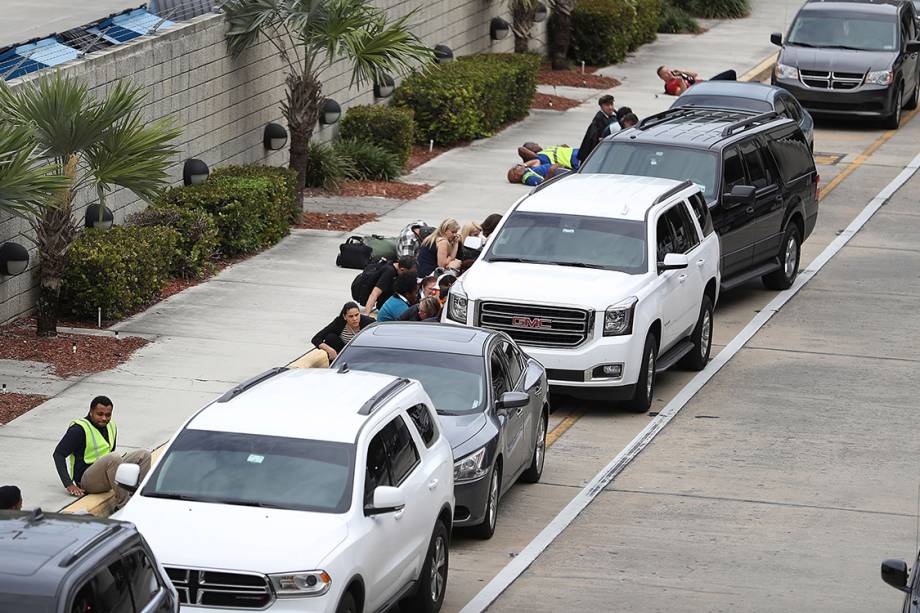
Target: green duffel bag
(383, 246)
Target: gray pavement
(783, 484)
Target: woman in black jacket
(342, 329)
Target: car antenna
(343, 368)
(36, 516)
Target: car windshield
(649, 160)
(255, 470)
(724, 102)
(454, 382)
(859, 31)
(571, 240)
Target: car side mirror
(386, 500)
(532, 375)
(777, 39)
(674, 261)
(127, 476)
(512, 400)
(894, 573)
(913, 46)
(740, 194)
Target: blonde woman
(439, 249)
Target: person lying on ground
(561, 155)
(678, 81)
(85, 457)
(339, 331)
(531, 175)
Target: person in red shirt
(678, 81)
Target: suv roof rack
(250, 383)
(673, 191)
(388, 390)
(83, 549)
(748, 122)
(705, 112)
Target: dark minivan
(756, 173)
(852, 58)
(59, 563)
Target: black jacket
(593, 135)
(335, 328)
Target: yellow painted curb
(762, 70)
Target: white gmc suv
(303, 490)
(605, 279)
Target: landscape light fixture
(330, 112)
(443, 54)
(384, 86)
(14, 259)
(540, 13)
(95, 220)
(275, 137)
(499, 28)
(195, 172)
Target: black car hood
(836, 60)
(460, 428)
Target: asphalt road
(785, 481)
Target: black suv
(56, 563)
(852, 58)
(755, 171)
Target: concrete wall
(223, 104)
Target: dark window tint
(424, 423)
(758, 169)
(794, 112)
(378, 468)
(689, 229)
(500, 383)
(734, 171)
(683, 240)
(126, 585)
(701, 210)
(792, 154)
(400, 449)
(665, 238)
(780, 107)
(515, 363)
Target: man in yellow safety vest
(85, 458)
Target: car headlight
(782, 71)
(618, 319)
(471, 467)
(306, 583)
(880, 77)
(457, 305)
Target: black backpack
(364, 283)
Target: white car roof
(599, 195)
(309, 403)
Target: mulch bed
(381, 189)
(93, 354)
(341, 222)
(13, 405)
(555, 103)
(574, 78)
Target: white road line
(566, 516)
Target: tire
(347, 604)
(432, 581)
(535, 470)
(645, 386)
(486, 529)
(789, 255)
(914, 100)
(893, 121)
(701, 337)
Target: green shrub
(715, 9)
(278, 173)
(198, 236)
(327, 167)
(648, 16)
(602, 31)
(675, 20)
(389, 127)
(251, 212)
(119, 270)
(471, 97)
(371, 161)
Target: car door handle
(399, 514)
(433, 484)
(682, 278)
(699, 263)
(749, 210)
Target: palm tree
(522, 20)
(99, 145)
(310, 36)
(561, 34)
(25, 181)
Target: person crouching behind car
(342, 329)
(405, 290)
(429, 309)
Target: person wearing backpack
(374, 285)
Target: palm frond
(25, 182)
(249, 20)
(384, 46)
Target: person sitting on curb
(85, 457)
(10, 498)
(531, 175)
(333, 338)
(678, 81)
(561, 155)
(405, 291)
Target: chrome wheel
(705, 333)
(540, 449)
(792, 257)
(493, 499)
(650, 375)
(438, 569)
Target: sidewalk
(262, 312)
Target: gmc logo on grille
(531, 322)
